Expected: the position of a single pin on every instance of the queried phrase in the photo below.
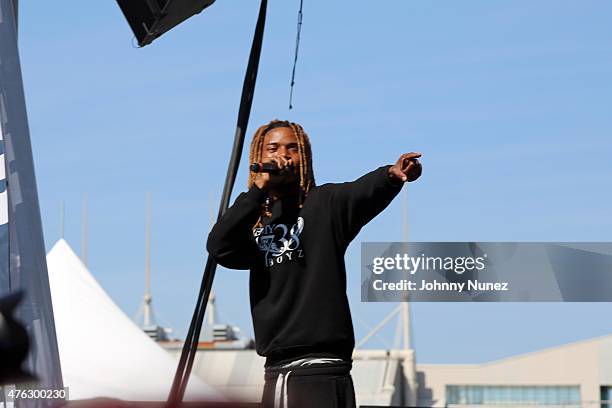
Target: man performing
(292, 235)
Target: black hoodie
(298, 277)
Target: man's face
(281, 144)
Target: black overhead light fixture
(151, 18)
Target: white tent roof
(102, 352)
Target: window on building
(606, 396)
(500, 394)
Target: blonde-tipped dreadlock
(307, 180)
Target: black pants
(311, 383)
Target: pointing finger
(411, 155)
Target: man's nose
(283, 151)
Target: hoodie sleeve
(356, 203)
(230, 241)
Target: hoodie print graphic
(280, 243)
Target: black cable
(185, 365)
(297, 48)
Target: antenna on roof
(211, 213)
(149, 324)
(406, 304)
(147, 296)
(211, 310)
(85, 243)
(62, 213)
(402, 311)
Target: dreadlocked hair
(307, 181)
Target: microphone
(264, 168)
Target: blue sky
(509, 102)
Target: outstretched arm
(356, 203)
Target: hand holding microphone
(271, 171)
